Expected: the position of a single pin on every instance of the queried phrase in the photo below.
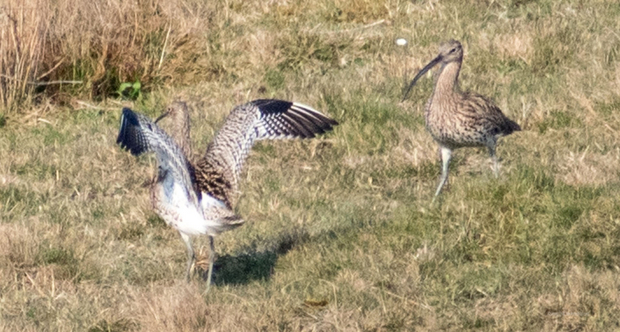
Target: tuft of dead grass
(99, 46)
(22, 48)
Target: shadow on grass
(245, 268)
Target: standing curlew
(198, 199)
(457, 119)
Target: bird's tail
(230, 222)
(220, 218)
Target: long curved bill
(163, 115)
(420, 73)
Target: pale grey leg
(211, 261)
(446, 155)
(190, 255)
(494, 158)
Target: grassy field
(340, 232)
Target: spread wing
(140, 135)
(219, 170)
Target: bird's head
(450, 51)
(177, 109)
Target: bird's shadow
(245, 268)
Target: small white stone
(401, 41)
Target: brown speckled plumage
(455, 119)
(214, 178)
(210, 180)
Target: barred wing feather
(139, 135)
(283, 119)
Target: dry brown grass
(22, 45)
(74, 48)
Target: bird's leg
(491, 148)
(446, 154)
(190, 255)
(211, 261)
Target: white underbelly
(179, 211)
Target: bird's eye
(453, 50)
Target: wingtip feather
(285, 119)
(323, 122)
(128, 135)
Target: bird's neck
(447, 80)
(181, 132)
